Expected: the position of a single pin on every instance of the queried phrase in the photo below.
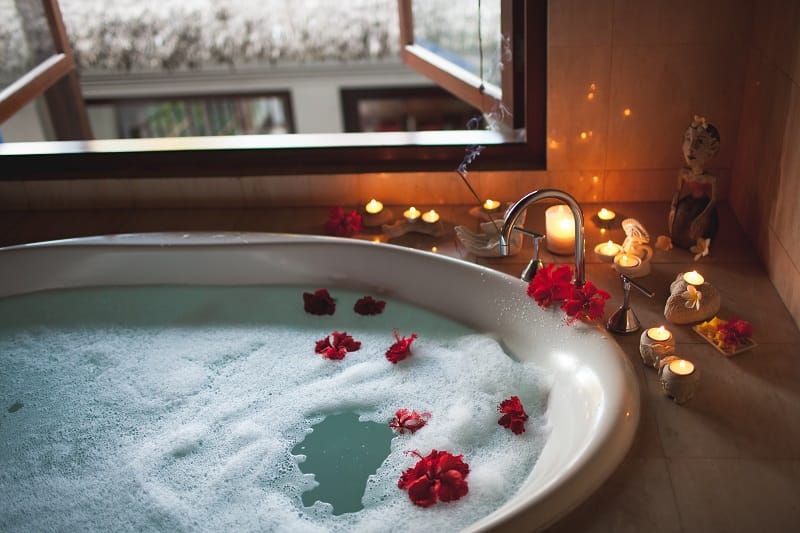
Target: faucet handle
(535, 263)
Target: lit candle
(491, 205)
(681, 367)
(560, 229)
(693, 278)
(606, 251)
(412, 214)
(627, 261)
(678, 378)
(656, 344)
(374, 207)
(431, 217)
(606, 215)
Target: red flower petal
(401, 348)
(342, 343)
(438, 476)
(550, 284)
(319, 303)
(369, 306)
(585, 303)
(341, 223)
(514, 415)
(411, 421)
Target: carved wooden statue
(693, 213)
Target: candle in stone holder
(693, 278)
(606, 215)
(431, 217)
(491, 205)
(655, 344)
(607, 251)
(678, 378)
(560, 229)
(373, 207)
(412, 214)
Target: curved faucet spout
(513, 213)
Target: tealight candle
(655, 344)
(607, 251)
(630, 265)
(693, 278)
(373, 207)
(628, 261)
(491, 205)
(678, 378)
(606, 215)
(431, 217)
(412, 214)
(560, 229)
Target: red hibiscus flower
(338, 347)
(585, 303)
(514, 415)
(369, 306)
(401, 348)
(343, 224)
(411, 421)
(735, 331)
(550, 284)
(319, 303)
(438, 476)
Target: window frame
(265, 155)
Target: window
(521, 144)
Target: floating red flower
(369, 306)
(338, 347)
(550, 284)
(319, 303)
(585, 303)
(341, 223)
(735, 330)
(401, 348)
(438, 476)
(408, 421)
(514, 415)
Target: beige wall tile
(577, 108)
(783, 272)
(776, 29)
(785, 217)
(664, 87)
(644, 185)
(580, 22)
(681, 21)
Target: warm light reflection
(434, 249)
(590, 96)
(595, 179)
(584, 135)
(626, 111)
(553, 144)
(593, 87)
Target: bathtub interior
(593, 406)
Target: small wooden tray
(746, 344)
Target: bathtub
(593, 405)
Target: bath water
(196, 409)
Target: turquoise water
(187, 408)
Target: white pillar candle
(560, 230)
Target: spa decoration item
(342, 223)
(656, 344)
(693, 212)
(412, 214)
(635, 246)
(514, 415)
(691, 301)
(560, 230)
(607, 251)
(319, 302)
(551, 284)
(337, 348)
(701, 249)
(430, 217)
(439, 476)
(606, 215)
(375, 214)
(487, 243)
(406, 421)
(729, 337)
(401, 347)
(369, 306)
(663, 243)
(678, 378)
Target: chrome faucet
(513, 213)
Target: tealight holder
(374, 214)
(607, 251)
(414, 221)
(678, 378)
(679, 309)
(655, 344)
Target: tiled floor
(728, 460)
